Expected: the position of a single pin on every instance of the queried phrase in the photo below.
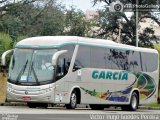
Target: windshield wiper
(34, 73)
(21, 71)
(13, 62)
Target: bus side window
(82, 58)
(62, 67)
(67, 56)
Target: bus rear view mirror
(3, 57)
(56, 55)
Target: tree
(5, 5)
(41, 18)
(51, 21)
(13, 16)
(75, 23)
(28, 19)
(147, 37)
(110, 24)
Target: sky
(81, 4)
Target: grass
(157, 47)
(153, 105)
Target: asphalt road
(60, 113)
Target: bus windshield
(31, 67)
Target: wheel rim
(73, 100)
(134, 102)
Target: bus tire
(31, 105)
(73, 101)
(133, 106)
(97, 107)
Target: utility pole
(120, 29)
(137, 39)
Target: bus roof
(57, 41)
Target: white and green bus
(82, 70)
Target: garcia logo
(109, 75)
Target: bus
(79, 70)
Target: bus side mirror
(3, 57)
(56, 55)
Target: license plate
(26, 98)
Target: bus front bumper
(44, 95)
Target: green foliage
(52, 22)
(32, 20)
(157, 47)
(5, 42)
(75, 23)
(21, 37)
(41, 19)
(147, 38)
(153, 105)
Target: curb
(13, 104)
(79, 106)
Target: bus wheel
(133, 103)
(31, 105)
(73, 101)
(97, 107)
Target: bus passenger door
(59, 78)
